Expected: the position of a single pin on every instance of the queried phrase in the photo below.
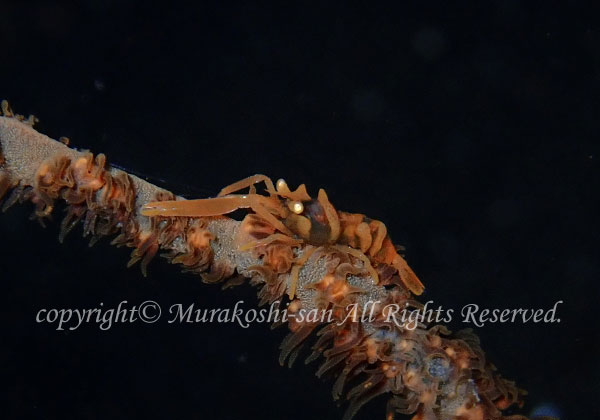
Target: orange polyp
(199, 238)
(363, 233)
(407, 275)
(380, 234)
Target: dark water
(471, 132)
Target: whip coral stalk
(297, 250)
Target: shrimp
(300, 219)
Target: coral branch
(427, 371)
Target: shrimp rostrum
(294, 218)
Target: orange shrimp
(299, 217)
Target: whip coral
(297, 250)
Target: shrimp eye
(296, 207)
(281, 185)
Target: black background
(471, 131)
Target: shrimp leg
(249, 182)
